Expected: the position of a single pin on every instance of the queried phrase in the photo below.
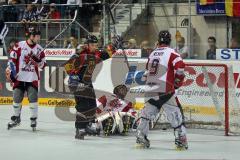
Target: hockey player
(27, 58)
(114, 113)
(164, 73)
(80, 68)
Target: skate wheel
(141, 146)
(181, 148)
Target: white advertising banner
(59, 52)
(228, 54)
(134, 53)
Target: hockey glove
(73, 80)
(178, 81)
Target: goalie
(164, 73)
(114, 113)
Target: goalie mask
(120, 91)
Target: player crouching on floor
(115, 115)
(164, 74)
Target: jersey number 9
(154, 67)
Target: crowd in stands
(37, 10)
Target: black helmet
(91, 39)
(120, 91)
(164, 37)
(32, 31)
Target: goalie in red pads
(164, 73)
(114, 113)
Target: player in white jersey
(164, 73)
(26, 60)
(114, 113)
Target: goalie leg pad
(109, 126)
(149, 112)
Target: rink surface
(54, 140)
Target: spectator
(181, 48)
(53, 13)
(53, 44)
(211, 53)
(146, 50)
(12, 43)
(234, 43)
(71, 43)
(13, 2)
(30, 14)
(11, 13)
(132, 44)
(42, 11)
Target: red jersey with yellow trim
(26, 71)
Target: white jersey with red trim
(114, 104)
(21, 56)
(162, 68)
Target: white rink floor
(54, 140)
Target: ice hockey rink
(54, 139)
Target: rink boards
(54, 92)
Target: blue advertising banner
(218, 8)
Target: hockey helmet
(32, 31)
(91, 39)
(164, 37)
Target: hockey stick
(115, 31)
(74, 18)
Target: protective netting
(207, 94)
